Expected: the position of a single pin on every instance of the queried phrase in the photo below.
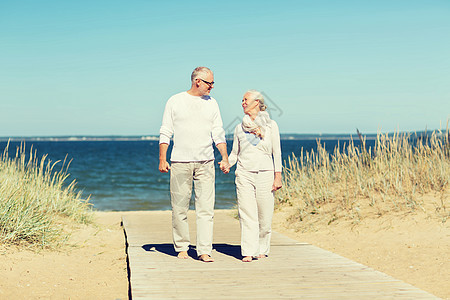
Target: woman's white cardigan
(265, 156)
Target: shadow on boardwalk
(168, 249)
(294, 270)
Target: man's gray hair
(256, 95)
(200, 72)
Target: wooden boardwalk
(294, 270)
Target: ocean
(122, 174)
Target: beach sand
(94, 267)
(411, 247)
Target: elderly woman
(257, 151)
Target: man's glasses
(208, 83)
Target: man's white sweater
(195, 123)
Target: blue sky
(108, 67)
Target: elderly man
(193, 119)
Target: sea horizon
(154, 137)
(121, 172)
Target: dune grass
(35, 204)
(391, 176)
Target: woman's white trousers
(255, 206)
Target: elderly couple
(193, 119)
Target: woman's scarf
(257, 126)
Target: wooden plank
(293, 270)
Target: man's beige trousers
(181, 177)
(255, 206)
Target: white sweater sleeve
(276, 147)
(232, 158)
(166, 130)
(217, 132)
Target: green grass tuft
(392, 175)
(34, 202)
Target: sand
(411, 247)
(94, 267)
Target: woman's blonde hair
(258, 96)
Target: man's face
(206, 84)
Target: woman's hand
(257, 132)
(224, 166)
(277, 182)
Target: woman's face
(249, 103)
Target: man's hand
(277, 182)
(224, 166)
(164, 166)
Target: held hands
(164, 166)
(224, 166)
